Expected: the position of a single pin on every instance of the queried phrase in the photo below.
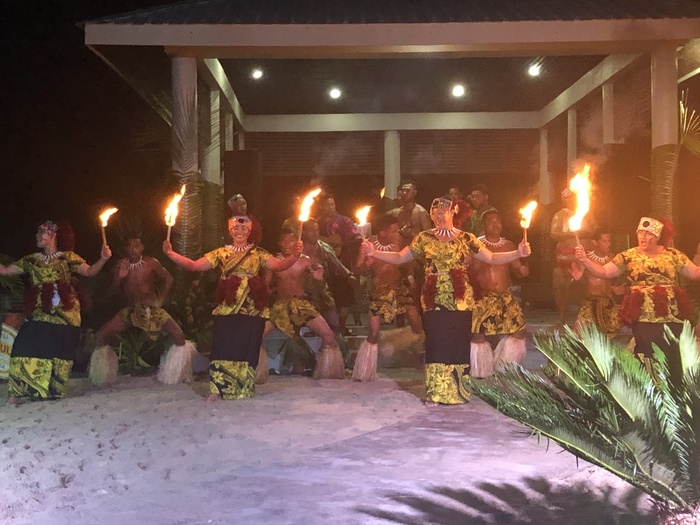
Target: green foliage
(604, 405)
(12, 284)
(138, 353)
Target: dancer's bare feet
(14, 401)
(213, 398)
(430, 404)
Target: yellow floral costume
(43, 353)
(447, 299)
(601, 311)
(497, 313)
(289, 315)
(389, 301)
(242, 305)
(150, 319)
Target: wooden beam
(596, 77)
(391, 121)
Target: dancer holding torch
(447, 298)
(43, 353)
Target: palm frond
(602, 404)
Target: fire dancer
(145, 284)
(447, 298)
(43, 353)
(242, 298)
(600, 306)
(292, 308)
(389, 297)
(496, 312)
(656, 301)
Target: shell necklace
(48, 257)
(381, 247)
(501, 242)
(137, 264)
(597, 258)
(240, 248)
(446, 232)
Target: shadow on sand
(536, 503)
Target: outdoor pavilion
(614, 66)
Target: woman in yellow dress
(447, 298)
(242, 307)
(655, 300)
(43, 353)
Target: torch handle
(104, 237)
(578, 241)
(168, 236)
(525, 234)
(301, 228)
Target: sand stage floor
(301, 452)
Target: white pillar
(571, 140)
(608, 100)
(228, 130)
(392, 163)
(664, 97)
(211, 159)
(545, 182)
(240, 139)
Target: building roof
(401, 11)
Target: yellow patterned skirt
(447, 384)
(42, 359)
(150, 319)
(232, 379)
(601, 311)
(289, 315)
(387, 302)
(497, 313)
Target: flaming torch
(526, 217)
(172, 210)
(361, 215)
(306, 208)
(581, 187)
(104, 219)
(381, 193)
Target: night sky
(71, 127)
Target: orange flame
(526, 214)
(580, 185)
(381, 193)
(361, 215)
(105, 215)
(307, 203)
(172, 210)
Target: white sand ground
(301, 452)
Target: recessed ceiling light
(534, 70)
(458, 90)
(335, 93)
(257, 74)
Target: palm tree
(604, 405)
(666, 158)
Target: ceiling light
(257, 74)
(335, 93)
(534, 70)
(458, 90)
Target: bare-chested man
(145, 284)
(599, 306)
(389, 297)
(413, 218)
(292, 308)
(497, 312)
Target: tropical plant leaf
(599, 402)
